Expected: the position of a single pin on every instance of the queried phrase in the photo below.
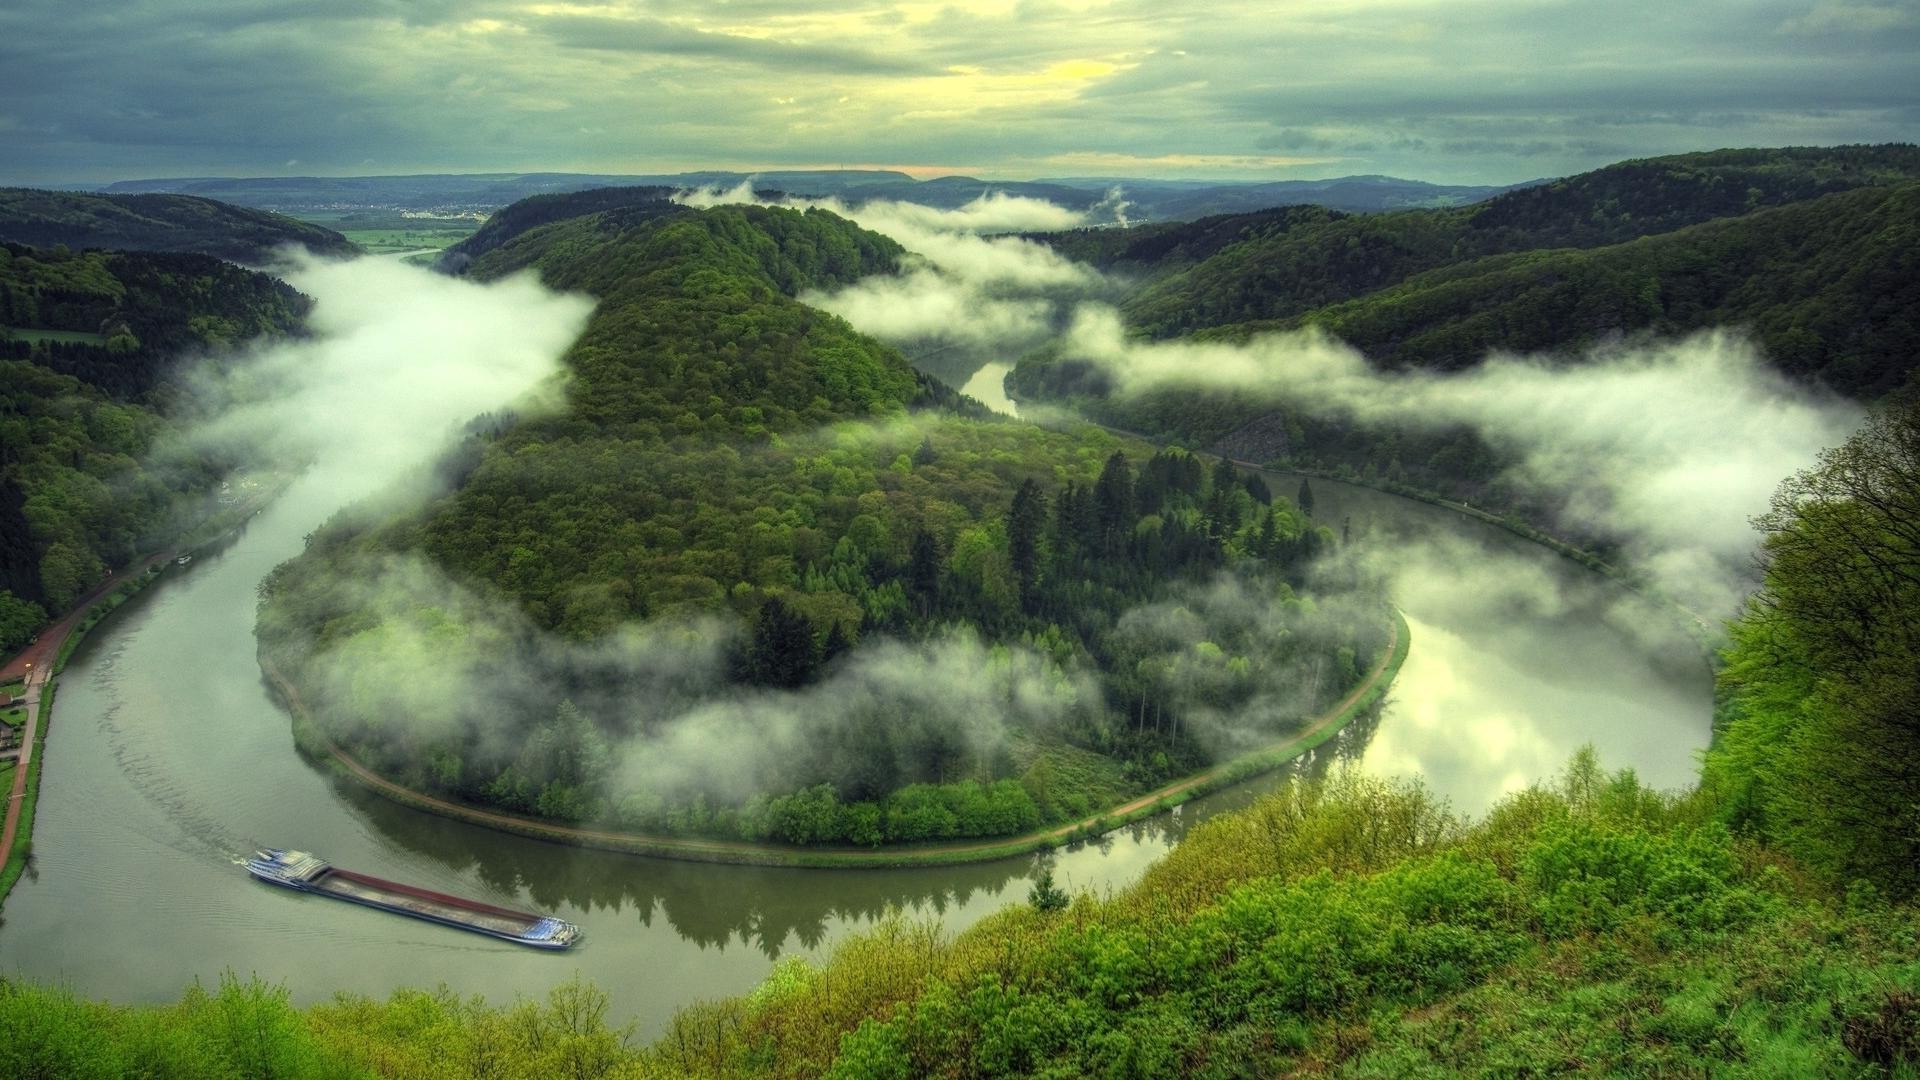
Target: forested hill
(157, 223)
(538, 210)
(1281, 263)
(1829, 288)
(1805, 249)
(88, 346)
(742, 506)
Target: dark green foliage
(685, 478)
(77, 493)
(1045, 896)
(157, 223)
(535, 211)
(1828, 288)
(1282, 263)
(782, 652)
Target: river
(167, 760)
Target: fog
(1670, 446)
(995, 295)
(1674, 445)
(395, 360)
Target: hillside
(157, 223)
(1823, 283)
(820, 544)
(89, 346)
(1281, 264)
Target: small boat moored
(309, 873)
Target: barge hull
(305, 873)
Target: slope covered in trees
(1285, 263)
(89, 344)
(815, 541)
(1814, 263)
(157, 223)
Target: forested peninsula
(759, 579)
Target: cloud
(1675, 445)
(397, 360)
(658, 37)
(1019, 89)
(989, 292)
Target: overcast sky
(1448, 90)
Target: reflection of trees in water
(1348, 746)
(710, 904)
(768, 908)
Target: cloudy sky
(1447, 90)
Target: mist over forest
(650, 517)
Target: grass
(67, 336)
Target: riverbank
(38, 666)
(699, 849)
(40, 663)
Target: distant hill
(1147, 200)
(1808, 249)
(156, 223)
(1161, 200)
(531, 213)
(1281, 263)
(476, 192)
(1830, 288)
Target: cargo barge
(309, 873)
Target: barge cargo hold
(309, 873)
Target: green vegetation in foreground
(1353, 927)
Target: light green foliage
(1591, 926)
(1356, 925)
(1819, 751)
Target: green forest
(154, 222)
(91, 345)
(1805, 251)
(1760, 924)
(794, 513)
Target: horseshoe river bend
(167, 759)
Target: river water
(167, 760)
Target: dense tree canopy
(89, 347)
(726, 452)
(1821, 746)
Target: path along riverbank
(1363, 696)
